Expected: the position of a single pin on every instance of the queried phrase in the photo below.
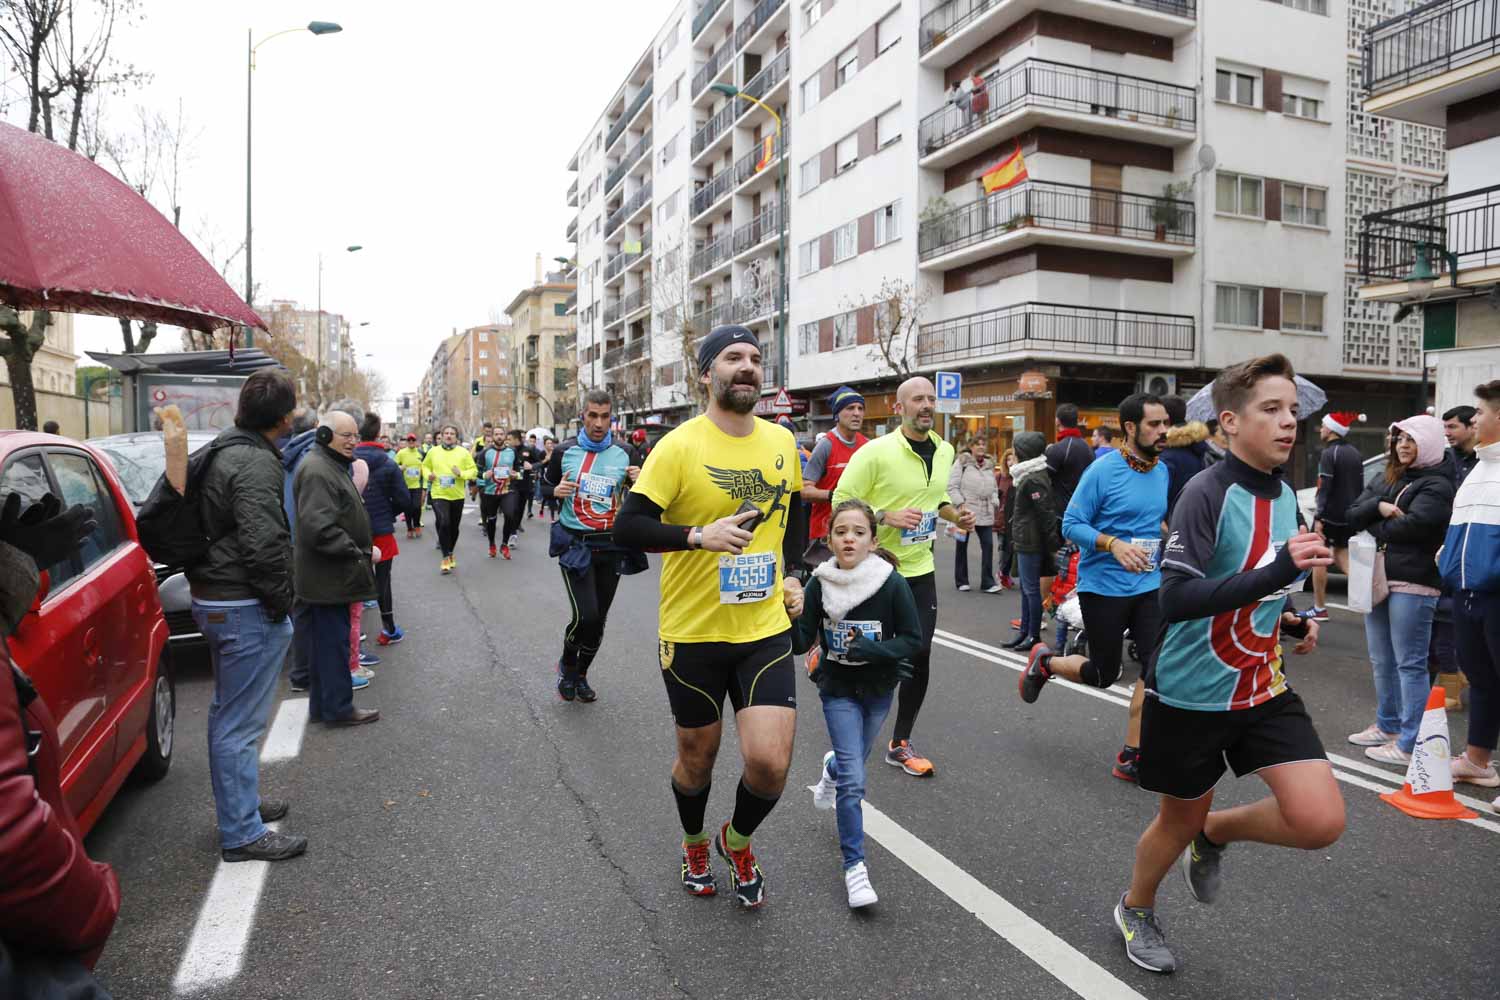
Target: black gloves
(45, 532)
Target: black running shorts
(1184, 753)
(699, 674)
(1105, 620)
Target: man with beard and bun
(904, 479)
(1116, 518)
(825, 467)
(716, 495)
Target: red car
(95, 642)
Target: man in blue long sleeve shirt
(1115, 518)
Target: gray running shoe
(1200, 865)
(1145, 943)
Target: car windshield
(139, 461)
(1374, 470)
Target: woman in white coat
(972, 483)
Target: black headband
(718, 340)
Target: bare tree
(675, 312)
(24, 339)
(897, 307)
(78, 56)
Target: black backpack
(170, 524)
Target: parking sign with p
(950, 389)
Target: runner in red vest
(826, 466)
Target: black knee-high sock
(691, 805)
(750, 808)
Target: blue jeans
(853, 726)
(330, 692)
(247, 650)
(1029, 567)
(1398, 632)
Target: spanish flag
(1007, 173)
(767, 153)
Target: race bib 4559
(747, 578)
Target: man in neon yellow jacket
(904, 478)
(449, 466)
(417, 479)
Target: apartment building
(543, 352)
(53, 367)
(443, 390)
(1437, 65)
(488, 349)
(329, 344)
(1183, 204)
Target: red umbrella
(76, 239)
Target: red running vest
(838, 459)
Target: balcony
(631, 158)
(637, 350)
(1441, 53)
(617, 264)
(755, 163)
(707, 319)
(766, 80)
(573, 194)
(1040, 92)
(715, 127)
(708, 256)
(636, 301)
(765, 226)
(1466, 225)
(754, 306)
(570, 304)
(1052, 212)
(954, 29)
(572, 234)
(613, 313)
(1032, 328)
(632, 205)
(709, 194)
(759, 17)
(705, 16)
(642, 97)
(711, 69)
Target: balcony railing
(762, 13)
(612, 313)
(572, 232)
(573, 195)
(636, 350)
(708, 256)
(755, 161)
(752, 306)
(1429, 40)
(635, 300)
(617, 264)
(952, 17)
(632, 205)
(711, 68)
(570, 303)
(1047, 326)
(1044, 84)
(720, 314)
(765, 226)
(1054, 205)
(713, 189)
(766, 80)
(1465, 224)
(636, 103)
(714, 127)
(705, 14)
(631, 158)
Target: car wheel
(161, 726)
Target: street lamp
(731, 91)
(352, 248)
(1420, 282)
(317, 28)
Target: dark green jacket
(333, 532)
(885, 663)
(241, 508)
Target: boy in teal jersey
(1216, 696)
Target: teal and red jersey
(601, 478)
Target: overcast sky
(436, 135)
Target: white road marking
(216, 950)
(1342, 766)
(1067, 964)
(284, 741)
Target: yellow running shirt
(697, 474)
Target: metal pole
(321, 361)
(249, 269)
(782, 264)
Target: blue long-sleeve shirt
(1114, 499)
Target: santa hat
(1341, 420)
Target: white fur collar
(1030, 467)
(845, 589)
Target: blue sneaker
(390, 638)
(368, 659)
(359, 682)
(372, 604)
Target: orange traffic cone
(1428, 792)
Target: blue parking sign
(950, 389)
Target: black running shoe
(585, 692)
(1036, 673)
(1127, 765)
(567, 687)
(272, 846)
(744, 874)
(697, 876)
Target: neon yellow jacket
(888, 475)
(412, 471)
(448, 468)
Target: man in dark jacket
(385, 497)
(242, 592)
(1067, 458)
(1341, 478)
(1458, 428)
(1186, 452)
(332, 567)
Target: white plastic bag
(1362, 550)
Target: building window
(1239, 195)
(812, 13)
(1304, 206)
(669, 43)
(845, 241)
(1311, 6)
(484, 337)
(887, 223)
(810, 93)
(847, 65)
(669, 149)
(888, 127)
(1237, 305)
(807, 255)
(810, 175)
(1302, 311)
(484, 355)
(1301, 107)
(483, 372)
(670, 95)
(844, 329)
(888, 31)
(561, 379)
(1237, 88)
(667, 211)
(807, 338)
(845, 154)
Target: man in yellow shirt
(716, 495)
(417, 480)
(449, 466)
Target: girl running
(861, 615)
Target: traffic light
(474, 387)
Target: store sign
(1031, 384)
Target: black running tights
(924, 589)
(589, 595)
(448, 514)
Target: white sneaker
(364, 673)
(1371, 736)
(825, 792)
(992, 590)
(857, 882)
(1465, 769)
(963, 587)
(1388, 753)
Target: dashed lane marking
(284, 741)
(216, 951)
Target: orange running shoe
(697, 876)
(900, 754)
(744, 874)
